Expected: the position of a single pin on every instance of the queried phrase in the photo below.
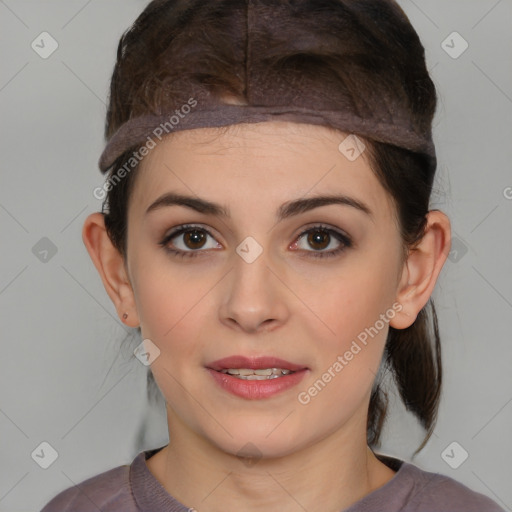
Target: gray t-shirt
(133, 488)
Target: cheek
(351, 300)
(355, 305)
(172, 313)
(346, 362)
(166, 301)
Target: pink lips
(255, 389)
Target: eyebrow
(285, 211)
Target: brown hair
(178, 48)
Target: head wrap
(384, 115)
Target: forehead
(269, 161)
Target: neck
(328, 475)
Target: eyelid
(323, 226)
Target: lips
(285, 376)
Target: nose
(254, 297)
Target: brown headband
(255, 31)
(140, 130)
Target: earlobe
(111, 267)
(422, 269)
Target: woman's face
(272, 278)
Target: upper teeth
(248, 374)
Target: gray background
(66, 373)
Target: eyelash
(345, 241)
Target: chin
(256, 441)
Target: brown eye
(318, 239)
(321, 242)
(194, 239)
(189, 240)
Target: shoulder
(434, 491)
(108, 492)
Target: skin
(286, 303)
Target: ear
(110, 265)
(422, 268)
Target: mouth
(262, 374)
(266, 366)
(256, 377)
